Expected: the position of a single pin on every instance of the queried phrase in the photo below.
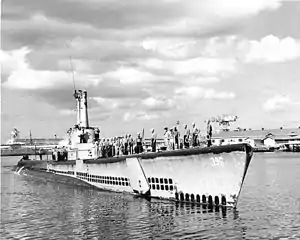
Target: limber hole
(181, 196)
(217, 201)
(192, 197)
(210, 200)
(203, 199)
(187, 197)
(223, 200)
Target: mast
(78, 106)
(82, 109)
(85, 119)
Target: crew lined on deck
(126, 145)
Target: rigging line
(71, 66)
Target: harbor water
(268, 208)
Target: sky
(147, 64)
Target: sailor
(139, 144)
(108, 148)
(57, 154)
(180, 136)
(176, 137)
(69, 133)
(153, 140)
(105, 147)
(130, 144)
(81, 135)
(126, 144)
(87, 137)
(54, 154)
(97, 134)
(113, 146)
(186, 135)
(64, 154)
(97, 148)
(209, 129)
(195, 132)
(41, 153)
(209, 133)
(121, 146)
(117, 146)
(172, 138)
(102, 146)
(208, 140)
(167, 137)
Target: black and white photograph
(139, 119)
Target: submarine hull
(212, 175)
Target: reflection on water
(269, 208)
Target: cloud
(236, 8)
(196, 92)
(137, 14)
(38, 79)
(206, 66)
(20, 75)
(24, 24)
(159, 103)
(169, 47)
(96, 116)
(270, 49)
(13, 60)
(279, 102)
(30, 79)
(204, 80)
(30, 31)
(130, 75)
(105, 103)
(201, 65)
(55, 86)
(208, 17)
(112, 104)
(139, 115)
(137, 60)
(67, 112)
(218, 50)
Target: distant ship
(206, 175)
(17, 146)
(13, 141)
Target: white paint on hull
(138, 180)
(199, 177)
(208, 175)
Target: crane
(224, 121)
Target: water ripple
(269, 208)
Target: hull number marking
(217, 161)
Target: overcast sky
(149, 63)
